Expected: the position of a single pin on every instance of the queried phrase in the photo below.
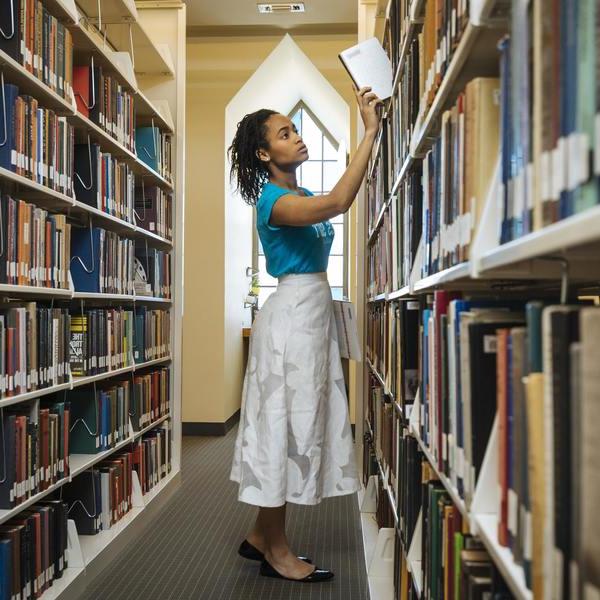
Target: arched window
(327, 161)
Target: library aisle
(198, 530)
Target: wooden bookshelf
(160, 52)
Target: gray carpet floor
(189, 553)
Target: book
(369, 65)
(347, 330)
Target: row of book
(392, 338)
(109, 184)
(103, 262)
(39, 436)
(549, 106)
(35, 247)
(443, 26)
(41, 146)
(457, 173)
(33, 550)
(455, 564)
(441, 204)
(39, 42)
(100, 497)
(379, 256)
(105, 102)
(547, 405)
(41, 347)
(154, 211)
(154, 147)
(38, 144)
(34, 347)
(104, 182)
(152, 457)
(527, 365)
(35, 449)
(452, 563)
(42, 249)
(105, 339)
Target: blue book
(533, 314)
(5, 569)
(7, 127)
(105, 420)
(505, 138)
(425, 381)
(86, 253)
(147, 144)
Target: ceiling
(222, 17)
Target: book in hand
(347, 330)
(369, 65)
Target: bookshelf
(497, 259)
(141, 47)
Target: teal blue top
(291, 250)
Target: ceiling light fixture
(280, 7)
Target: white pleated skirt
(294, 442)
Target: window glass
(337, 293)
(263, 277)
(338, 241)
(264, 293)
(311, 176)
(329, 152)
(331, 175)
(312, 137)
(335, 271)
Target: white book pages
(369, 65)
(347, 329)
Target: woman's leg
(270, 538)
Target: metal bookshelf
(128, 39)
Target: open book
(369, 65)
(347, 329)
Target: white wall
(282, 80)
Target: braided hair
(247, 169)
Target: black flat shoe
(247, 550)
(318, 575)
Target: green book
(459, 544)
(85, 430)
(586, 195)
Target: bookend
(382, 561)
(75, 555)
(369, 501)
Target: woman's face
(286, 148)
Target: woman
(294, 442)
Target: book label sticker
(490, 344)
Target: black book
(86, 181)
(10, 27)
(482, 342)
(561, 329)
(83, 507)
(9, 464)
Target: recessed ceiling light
(280, 7)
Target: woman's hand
(368, 103)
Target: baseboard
(211, 429)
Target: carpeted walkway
(190, 552)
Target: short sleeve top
(289, 249)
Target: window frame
(326, 134)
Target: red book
(81, 89)
(45, 447)
(502, 404)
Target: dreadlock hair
(249, 171)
